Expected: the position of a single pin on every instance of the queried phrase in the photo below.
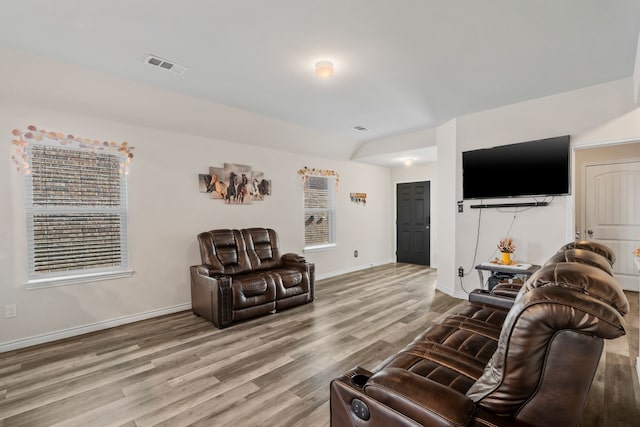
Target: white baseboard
(79, 330)
(348, 270)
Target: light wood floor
(179, 370)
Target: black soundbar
(509, 205)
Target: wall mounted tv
(526, 169)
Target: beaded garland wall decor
(22, 140)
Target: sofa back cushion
(589, 245)
(582, 278)
(583, 256)
(224, 251)
(263, 248)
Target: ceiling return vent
(156, 61)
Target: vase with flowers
(506, 247)
(636, 254)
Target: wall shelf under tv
(509, 205)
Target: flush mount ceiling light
(408, 162)
(324, 69)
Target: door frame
(585, 210)
(571, 219)
(395, 217)
(583, 213)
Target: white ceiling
(400, 65)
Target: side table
(512, 270)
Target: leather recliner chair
(484, 365)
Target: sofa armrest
(293, 258)
(510, 290)
(483, 296)
(211, 296)
(425, 401)
(207, 270)
(308, 268)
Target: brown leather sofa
(488, 365)
(243, 275)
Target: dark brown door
(413, 223)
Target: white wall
(447, 207)
(166, 212)
(598, 114)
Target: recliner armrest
(211, 295)
(483, 296)
(207, 270)
(309, 268)
(425, 401)
(291, 257)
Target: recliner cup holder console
(359, 380)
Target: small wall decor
(21, 141)
(306, 172)
(235, 184)
(359, 198)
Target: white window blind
(76, 215)
(319, 212)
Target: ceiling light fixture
(408, 162)
(324, 69)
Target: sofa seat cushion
(288, 282)
(423, 365)
(252, 289)
(455, 351)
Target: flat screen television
(526, 169)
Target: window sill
(76, 279)
(319, 248)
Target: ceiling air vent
(164, 64)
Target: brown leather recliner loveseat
(243, 275)
(488, 365)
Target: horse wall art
(235, 184)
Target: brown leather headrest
(583, 278)
(596, 247)
(583, 256)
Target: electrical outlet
(460, 272)
(355, 254)
(10, 310)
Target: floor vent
(166, 65)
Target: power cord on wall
(475, 251)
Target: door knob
(590, 232)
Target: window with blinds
(319, 212)
(76, 214)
